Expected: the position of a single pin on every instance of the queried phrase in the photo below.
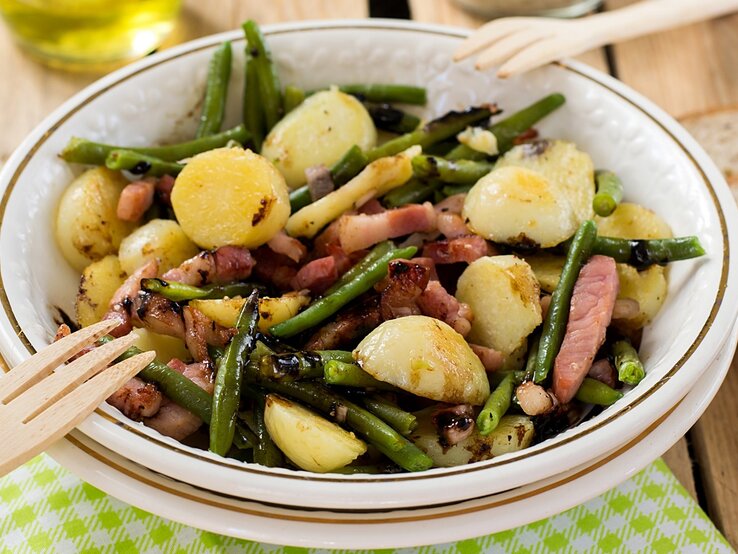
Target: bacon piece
(135, 199)
(348, 327)
(362, 231)
(137, 399)
(545, 305)
(404, 283)
(451, 205)
(437, 302)
(200, 373)
(328, 243)
(65, 331)
(452, 226)
(274, 268)
(317, 275)
(592, 303)
(372, 207)
(319, 181)
(491, 359)
(281, 243)
(172, 419)
(461, 249)
(158, 314)
(164, 187)
(200, 330)
(430, 264)
(222, 265)
(120, 305)
(603, 371)
(534, 399)
(526, 136)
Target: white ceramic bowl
(154, 100)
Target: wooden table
(685, 71)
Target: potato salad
(341, 283)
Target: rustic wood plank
(448, 13)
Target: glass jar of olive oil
(85, 34)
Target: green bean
(451, 190)
(554, 326)
(496, 406)
(141, 164)
(229, 377)
(253, 115)
(627, 362)
(180, 292)
(215, 353)
(328, 305)
(507, 130)
(402, 94)
(244, 438)
(362, 265)
(269, 88)
(457, 172)
(351, 375)
(293, 97)
(446, 126)
(609, 193)
(178, 388)
(389, 118)
(530, 363)
(643, 253)
(396, 417)
(83, 151)
(266, 452)
(593, 391)
(291, 366)
(216, 89)
(387, 440)
(363, 470)
(350, 164)
(414, 191)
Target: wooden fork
(519, 44)
(39, 405)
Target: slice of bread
(717, 132)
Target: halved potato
(547, 268)
(503, 294)
(513, 433)
(518, 206)
(378, 178)
(271, 310)
(633, 221)
(165, 347)
(318, 131)
(426, 357)
(230, 196)
(87, 225)
(562, 163)
(97, 285)
(310, 441)
(159, 239)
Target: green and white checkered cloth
(44, 508)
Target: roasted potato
(87, 227)
(271, 310)
(519, 206)
(378, 178)
(513, 433)
(648, 287)
(230, 196)
(318, 131)
(307, 439)
(159, 239)
(165, 347)
(562, 163)
(426, 357)
(97, 285)
(547, 268)
(503, 294)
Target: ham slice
(437, 302)
(222, 265)
(362, 231)
(592, 303)
(317, 275)
(135, 199)
(462, 249)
